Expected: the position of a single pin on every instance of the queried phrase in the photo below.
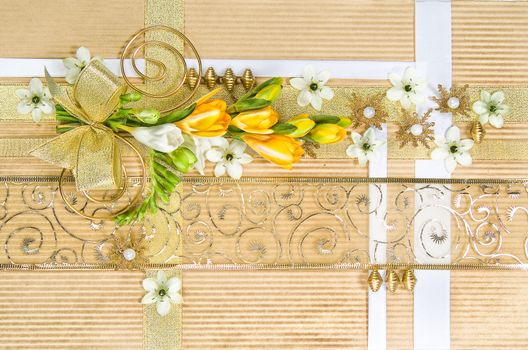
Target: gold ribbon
(90, 151)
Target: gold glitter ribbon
(90, 151)
(160, 333)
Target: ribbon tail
(62, 150)
(92, 155)
(98, 161)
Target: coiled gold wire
(134, 47)
(115, 197)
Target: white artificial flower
(35, 100)
(491, 108)
(364, 148)
(408, 89)
(313, 89)
(230, 157)
(74, 65)
(163, 138)
(199, 146)
(163, 292)
(452, 150)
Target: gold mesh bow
(90, 151)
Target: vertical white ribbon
(377, 301)
(432, 292)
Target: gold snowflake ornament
(368, 111)
(128, 250)
(415, 129)
(455, 100)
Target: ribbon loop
(89, 151)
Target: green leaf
(234, 129)
(325, 119)
(248, 105)
(177, 115)
(283, 128)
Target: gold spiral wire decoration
(138, 43)
(113, 198)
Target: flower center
(314, 86)
(366, 146)
(492, 108)
(35, 99)
(453, 149)
(229, 157)
(407, 87)
(162, 292)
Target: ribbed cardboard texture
(100, 309)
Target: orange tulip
(279, 149)
(209, 118)
(327, 133)
(257, 121)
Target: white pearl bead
(453, 102)
(416, 129)
(129, 254)
(369, 112)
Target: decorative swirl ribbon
(90, 151)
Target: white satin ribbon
(432, 292)
(34, 67)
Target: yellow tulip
(303, 123)
(209, 118)
(327, 133)
(257, 121)
(279, 149)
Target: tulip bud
(269, 93)
(257, 121)
(149, 116)
(130, 97)
(183, 159)
(303, 123)
(327, 133)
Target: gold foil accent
(133, 240)
(358, 105)
(409, 280)
(460, 92)
(247, 79)
(392, 280)
(477, 131)
(375, 280)
(404, 134)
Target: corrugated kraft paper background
(270, 309)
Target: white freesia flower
(199, 146)
(491, 108)
(35, 100)
(163, 292)
(408, 89)
(452, 150)
(313, 89)
(163, 138)
(364, 148)
(74, 65)
(230, 157)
